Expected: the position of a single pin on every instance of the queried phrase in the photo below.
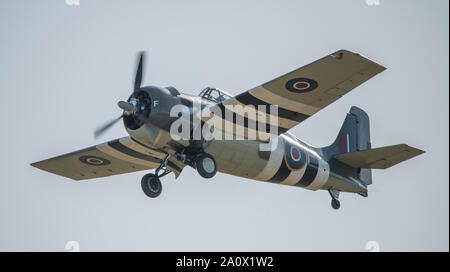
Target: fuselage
(290, 162)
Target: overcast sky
(63, 68)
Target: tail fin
(352, 147)
(354, 136)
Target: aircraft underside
(169, 130)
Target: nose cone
(126, 106)
(137, 109)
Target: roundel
(294, 156)
(301, 85)
(94, 160)
(295, 153)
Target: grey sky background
(63, 69)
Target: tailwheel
(206, 165)
(151, 185)
(336, 204)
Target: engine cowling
(151, 122)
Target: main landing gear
(335, 203)
(150, 183)
(204, 163)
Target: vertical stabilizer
(354, 136)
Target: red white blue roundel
(301, 85)
(295, 153)
(294, 156)
(94, 160)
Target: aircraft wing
(119, 156)
(305, 91)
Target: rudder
(354, 136)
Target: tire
(206, 165)
(335, 204)
(151, 185)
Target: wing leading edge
(116, 157)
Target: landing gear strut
(150, 183)
(335, 203)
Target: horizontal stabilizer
(379, 158)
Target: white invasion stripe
(294, 177)
(158, 136)
(231, 128)
(128, 142)
(283, 102)
(274, 162)
(322, 176)
(150, 152)
(282, 122)
(105, 148)
(141, 149)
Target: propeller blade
(126, 106)
(99, 131)
(138, 78)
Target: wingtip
(421, 151)
(418, 151)
(381, 67)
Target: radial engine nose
(127, 107)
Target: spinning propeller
(133, 107)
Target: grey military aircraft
(344, 166)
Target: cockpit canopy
(214, 94)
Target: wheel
(151, 185)
(335, 204)
(206, 165)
